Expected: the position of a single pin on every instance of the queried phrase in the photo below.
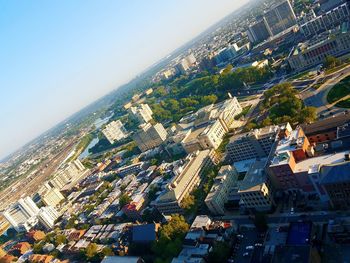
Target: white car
(246, 254)
(292, 211)
(249, 248)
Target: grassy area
(339, 91)
(343, 104)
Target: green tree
(91, 251)
(331, 62)
(308, 115)
(60, 239)
(124, 199)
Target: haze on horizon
(58, 56)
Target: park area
(340, 91)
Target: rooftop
(254, 178)
(312, 165)
(299, 233)
(335, 173)
(326, 124)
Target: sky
(58, 56)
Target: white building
(142, 113)
(114, 131)
(52, 197)
(169, 202)
(47, 216)
(150, 136)
(70, 172)
(22, 215)
(220, 191)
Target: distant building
(281, 17)
(220, 191)
(145, 233)
(142, 113)
(114, 131)
(122, 259)
(259, 31)
(254, 190)
(22, 214)
(186, 64)
(326, 21)
(70, 172)
(169, 202)
(313, 52)
(278, 19)
(254, 144)
(150, 136)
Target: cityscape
(234, 148)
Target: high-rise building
(70, 172)
(259, 31)
(169, 202)
(220, 191)
(52, 197)
(114, 131)
(47, 216)
(150, 136)
(22, 214)
(280, 17)
(142, 113)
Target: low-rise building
(114, 131)
(221, 189)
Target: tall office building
(142, 113)
(114, 131)
(259, 31)
(22, 215)
(47, 216)
(169, 202)
(280, 17)
(52, 197)
(150, 136)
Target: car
(258, 245)
(292, 211)
(246, 254)
(249, 247)
(240, 236)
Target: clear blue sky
(58, 56)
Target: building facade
(150, 136)
(114, 131)
(169, 202)
(142, 113)
(313, 52)
(220, 191)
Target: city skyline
(58, 58)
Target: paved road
(318, 98)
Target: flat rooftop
(312, 164)
(255, 177)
